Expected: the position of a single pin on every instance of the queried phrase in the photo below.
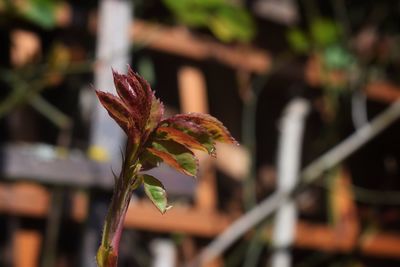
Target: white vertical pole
(106, 140)
(164, 253)
(115, 18)
(289, 154)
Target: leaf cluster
(152, 139)
(39, 12)
(225, 20)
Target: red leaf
(214, 127)
(136, 94)
(125, 92)
(144, 96)
(116, 108)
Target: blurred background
(309, 88)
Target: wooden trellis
(203, 219)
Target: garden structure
(59, 186)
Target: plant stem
(107, 254)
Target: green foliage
(41, 12)
(298, 41)
(336, 57)
(324, 36)
(324, 32)
(226, 21)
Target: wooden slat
(193, 98)
(192, 90)
(345, 221)
(142, 215)
(381, 245)
(322, 237)
(26, 248)
(24, 198)
(383, 91)
(180, 41)
(45, 164)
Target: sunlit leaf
(155, 190)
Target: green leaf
(324, 32)
(231, 23)
(337, 57)
(175, 155)
(155, 190)
(298, 41)
(227, 21)
(41, 12)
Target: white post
(106, 140)
(115, 18)
(289, 154)
(164, 253)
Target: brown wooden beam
(181, 41)
(380, 244)
(24, 198)
(26, 248)
(33, 200)
(142, 215)
(382, 91)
